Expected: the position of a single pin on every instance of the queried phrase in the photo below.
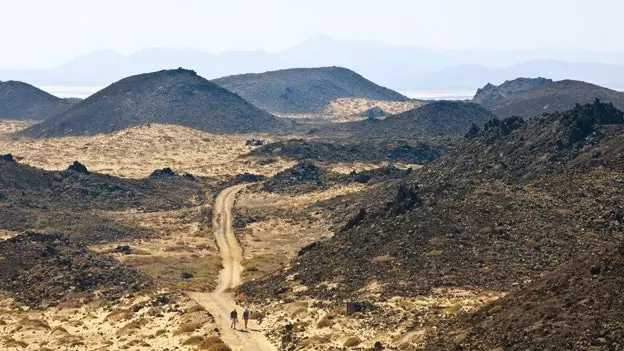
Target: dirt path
(219, 303)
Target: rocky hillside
(491, 94)
(529, 98)
(32, 198)
(510, 203)
(304, 90)
(569, 309)
(178, 97)
(21, 101)
(43, 269)
(450, 118)
(365, 150)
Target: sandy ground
(134, 324)
(356, 106)
(137, 151)
(351, 109)
(401, 323)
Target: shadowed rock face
(178, 97)
(493, 93)
(528, 98)
(304, 90)
(21, 101)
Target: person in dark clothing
(234, 318)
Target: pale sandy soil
(137, 151)
(7, 126)
(399, 322)
(133, 324)
(356, 106)
(350, 109)
(285, 226)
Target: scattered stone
(123, 249)
(359, 307)
(254, 142)
(78, 168)
(162, 173)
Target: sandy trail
(219, 303)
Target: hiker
(233, 318)
(246, 317)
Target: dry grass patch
(381, 259)
(119, 315)
(153, 146)
(187, 328)
(168, 271)
(352, 342)
(131, 327)
(213, 343)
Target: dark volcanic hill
(509, 203)
(437, 118)
(304, 90)
(571, 308)
(171, 97)
(21, 101)
(529, 98)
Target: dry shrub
(132, 326)
(565, 213)
(58, 330)
(119, 315)
(193, 340)
(213, 343)
(436, 241)
(352, 342)
(196, 308)
(315, 340)
(10, 342)
(160, 332)
(298, 311)
(384, 258)
(28, 323)
(434, 253)
(324, 323)
(187, 328)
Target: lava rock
(78, 168)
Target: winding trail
(220, 303)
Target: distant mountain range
(396, 67)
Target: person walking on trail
(246, 317)
(233, 318)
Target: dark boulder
(359, 307)
(359, 217)
(254, 142)
(7, 157)
(162, 173)
(123, 249)
(78, 168)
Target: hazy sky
(44, 33)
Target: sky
(44, 33)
